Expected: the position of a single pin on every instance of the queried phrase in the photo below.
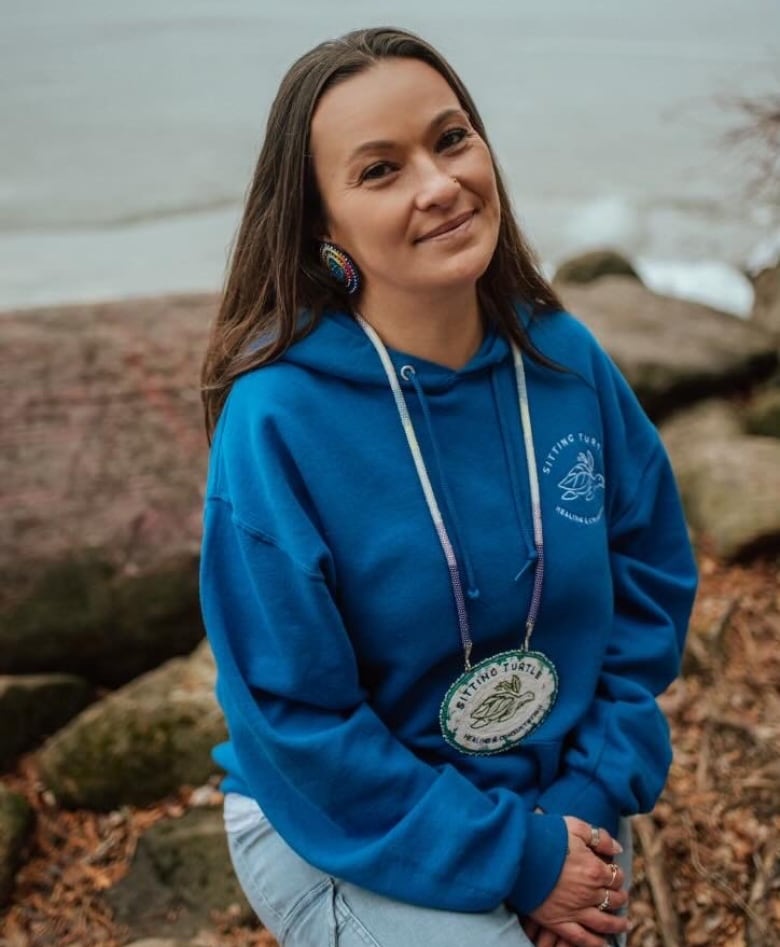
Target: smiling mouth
(448, 227)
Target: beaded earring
(341, 266)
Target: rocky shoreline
(106, 687)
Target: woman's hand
(577, 913)
(542, 937)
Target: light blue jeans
(304, 907)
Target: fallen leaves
(716, 829)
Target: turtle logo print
(582, 480)
(575, 462)
(502, 704)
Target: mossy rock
(191, 857)
(180, 873)
(766, 307)
(140, 743)
(762, 415)
(34, 705)
(84, 616)
(591, 266)
(728, 480)
(16, 821)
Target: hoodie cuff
(581, 796)
(544, 853)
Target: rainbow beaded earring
(341, 266)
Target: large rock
(672, 351)
(16, 820)
(728, 480)
(593, 265)
(181, 872)
(33, 706)
(85, 616)
(102, 460)
(762, 415)
(766, 308)
(141, 742)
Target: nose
(436, 188)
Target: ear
(314, 212)
(321, 227)
(321, 230)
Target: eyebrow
(381, 144)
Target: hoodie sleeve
(336, 784)
(618, 756)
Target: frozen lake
(129, 132)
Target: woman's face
(407, 185)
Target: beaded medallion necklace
(493, 704)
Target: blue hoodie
(327, 601)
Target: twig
(759, 933)
(715, 634)
(697, 658)
(703, 765)
(715, 877)
(662, 896)
(756, 733)
(746, 644)
(701, 650)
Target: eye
(452, 137)
(376, 172)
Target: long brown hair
(275, 272)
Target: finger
(609, 900)
(594, 837)
(547, 938)
(602, 922)
(616, 877)
(530, 928)
(596, 874)
(606, 901)
(570, 932)
(601, 842)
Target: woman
(444, 569)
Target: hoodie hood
(337, 346)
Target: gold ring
(614, 869)
(595, 836)
(604, 906)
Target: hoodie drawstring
(472, 591)
(514, 476)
